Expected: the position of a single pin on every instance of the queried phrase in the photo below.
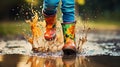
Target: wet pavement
(101, 50)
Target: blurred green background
(99, 13)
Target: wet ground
(101, 50)
(81, 61)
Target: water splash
(35, 30)
(82, 31)
(36, 38)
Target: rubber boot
(50, 32)
(69, 47)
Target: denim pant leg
(68, 10)
(49, 6)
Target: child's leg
(68, 26)
(49, 12)
(49, 6)
(68, 10)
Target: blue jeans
(67, 7)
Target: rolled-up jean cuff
(48, 12)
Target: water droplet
(17, 14)
(40, 6)
(13, 9)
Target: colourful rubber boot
(69, 47)
(50, 32)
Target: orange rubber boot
(69, 47)
(50, 32)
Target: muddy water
(101, 50)
(79, 61)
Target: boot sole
(69, 52)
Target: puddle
(97, 44)
(79, 61)
(100, 50)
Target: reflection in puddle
(64, 61)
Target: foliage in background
(101, 12)
(100, 9)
